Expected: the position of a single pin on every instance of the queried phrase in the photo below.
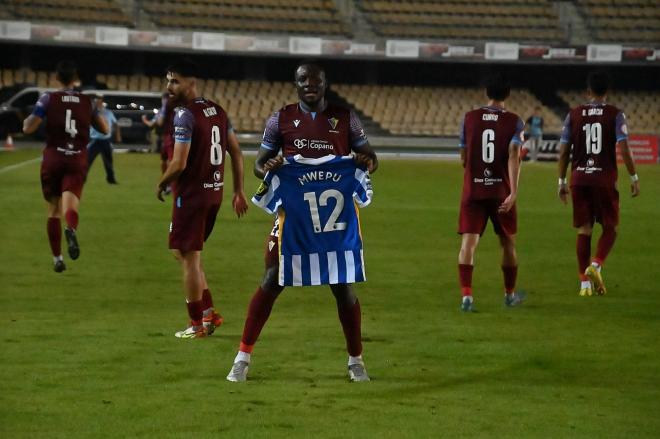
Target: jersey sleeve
(364, 191)
(272, 139)
(268, 195)
(519, 135)
(356, 135)
(566, 130)
(42, 105)
(184, 123)
(621, 127)
(461, 134)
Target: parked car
(128, 107)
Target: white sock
(596, 265)
(468, 298)
(355, 360)
(242, 356)
(585, 284)
(57, 258)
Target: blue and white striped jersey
(317, 202)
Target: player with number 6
(591, 135)
(490, 142)
(202, 135)
(68, 114)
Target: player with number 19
(591, 135)
(202, 135)
(490, 142)
(68, 114)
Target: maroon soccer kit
(486, 134)
(293, 130)
(68, 116)
(593, 131)
(198, 190)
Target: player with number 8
(202, 135)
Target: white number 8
(216, 147)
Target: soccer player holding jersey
(490, 141)
(68, 115)
(312, 128)
(592, 132)
(202, 135)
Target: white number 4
(332, 225)
(216, 147)
(70, 125)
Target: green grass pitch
(91, 352)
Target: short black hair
(599, 82)
(184, 67)
(310, 63)
(497, 87)
(66, 71)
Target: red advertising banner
(644, 149)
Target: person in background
(101, 142)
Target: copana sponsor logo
(313, 144)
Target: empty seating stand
(263, 16)
(516, 20)
(77, 11)
(635, 21)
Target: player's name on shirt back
(71, 99)
(592, 111)
(490, 116)
(210, 111)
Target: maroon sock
(71, 217)
(258, 313)
(510, 275)
(195, 311)
(54, 229)
(583, 252)
(605, 244)
(465, 278)
(350, 317)
(207, 299)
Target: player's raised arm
(271, 143)
(365, 156)
(238, 202)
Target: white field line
(19, 165)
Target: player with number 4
(68, 115)
(591, 135)
(202, 135)
(490, 142)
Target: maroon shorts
(474, 216)
(595, 204)
(61, 173)
(272, 253)
(191, 225)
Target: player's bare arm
(117, 133)
(99, 123)
(365, 156)
(238, 202)
(562, 191)
(174, 168)
(514, 176)
(463, 157)
(31, 124)
(267, 160)
(622, 145)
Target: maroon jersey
(486, 134)
(593, 130)
(68, 117)
(203, 124)
(334, 131)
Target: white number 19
(594, 134)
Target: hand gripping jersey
(204, 125)
(593, 130)
(317, 202)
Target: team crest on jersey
(263, 188)
(217, 176)
(296, 122)
(488, 173)
(333, 122)
(590, 162)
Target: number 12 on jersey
(332, 225)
